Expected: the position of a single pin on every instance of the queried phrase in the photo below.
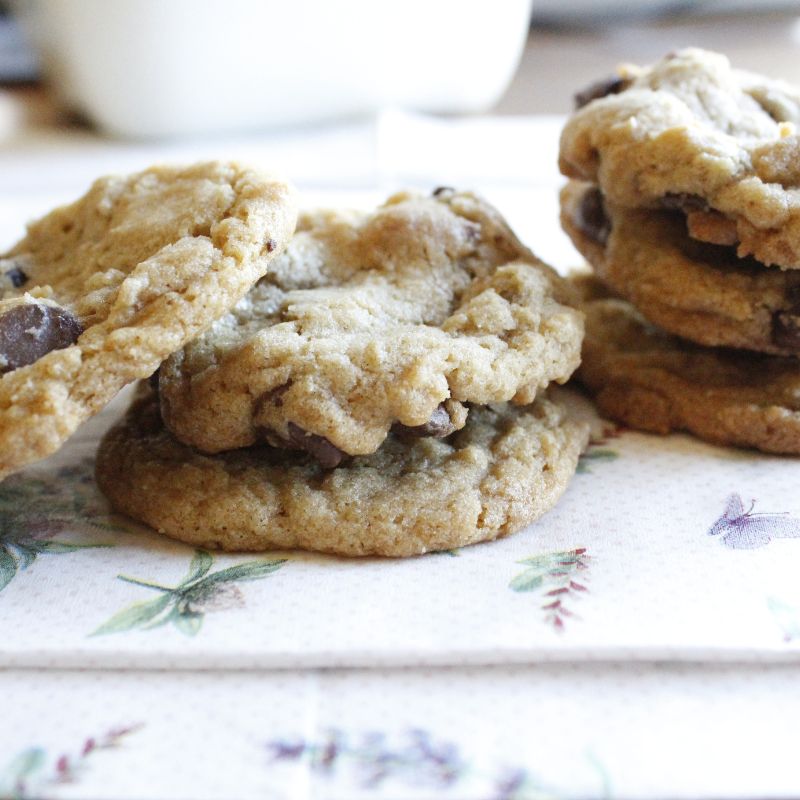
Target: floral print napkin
(660, 548)
(641, 640)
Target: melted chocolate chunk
(786, 323)
(153, 380)
(603, 88)
(591, 218)
(328, 455)
(438, 426)
(274, 396)
(439, 190)
(683, 202)
(29, 331)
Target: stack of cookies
(369, 383)
(685, 200)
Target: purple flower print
(419, 760)
(374, 759)
(747, 530)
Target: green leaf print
(61, 547)
(595, 455)
(199, 566)
(598, 452)
(555, 577)
(34, 509)
(8, 568)
(18, 772)
(250, 571)
(134, 616)
(27, 762)
(787, 617)
(184, 606)
(526, 581)
(188, 623)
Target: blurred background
(148, 69)
(351, 100)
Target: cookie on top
(694, 134)
(395, 319)
(99, 292)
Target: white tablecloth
(641, 640)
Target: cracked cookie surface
(693, 132)
(702, 292)
(100, 291)
(397, 317)
(501, 471)
(654, 382)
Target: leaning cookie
(655, 382)
(392, 319)
(699, 291)
(99, 292)
(692, 133)
(503, 470)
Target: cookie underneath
(701, 292)
(655, 382)
(503, 470)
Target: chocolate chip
(12, 273)
(683, 202)
(792, 295)
(786, 330)
(274, 397)
(590, 216)
(612, 85)
(328, 455)
(17, 277)
(439, 190)
(438, 426)
(31, 330)
(717, 255)
(271, 245)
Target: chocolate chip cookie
(655, 382)
(393, 319)
(502, 470)
(693, 134)
(99, 292)
(700, 291)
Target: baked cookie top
(396, 317)
(99, 292)
(504, 469)
(655, 382)
(691, 132)
(700, 291)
